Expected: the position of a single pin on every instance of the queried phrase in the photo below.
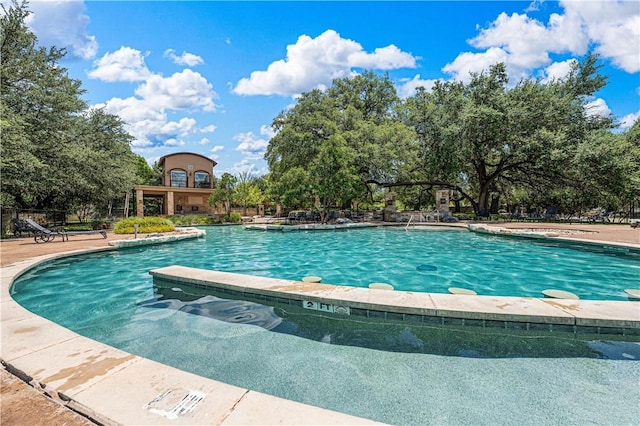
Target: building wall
(190, 163)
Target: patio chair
(20, 227)
(44, 235)
(550, 213)
(602, 216)
(518, 214)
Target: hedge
(146, 225)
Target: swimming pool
(430, 260)
(109, 297)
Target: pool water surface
(111, 298)
(425, 261)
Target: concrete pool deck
(113, 386)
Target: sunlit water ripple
(110, 297)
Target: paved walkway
(21, 404)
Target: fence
(44, 217)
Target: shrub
(71, 228)
(235, 217)
(146, 225)
(193, 219)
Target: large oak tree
(56, 152)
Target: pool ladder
(409, 223)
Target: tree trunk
(483, 200)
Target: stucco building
(187, 180)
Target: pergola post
(139, 202)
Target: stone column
(442, 202)
(139, 202)
(170, 204)
(389, 212)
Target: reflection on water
(233, 311)
(385, 334)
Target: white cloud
(246, 166)
(597, 107)
(214, 150)
(467, 63)
(145, 114)
(613, 25)
(146, 119)
(407, 87)
(188, 59)
(267, 131)
(251, 146)
(534, 6)
(315, 62)
(174, 142)
(182, 127)
(558, 70)
(133, 110)
(525, 44)
(186, 89)
(525, 40)
(208, 129)
(628, 120)
(62, 23)
(204, 141)
(125, 64)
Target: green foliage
(331, 143)
(55, 152)
(193, 219)
(70, 228)
(223, 191)
(234, 217)
(484, 138)
(333, 175)
(247, 192)
(146, 225)
(145, 174)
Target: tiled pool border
(437, 309)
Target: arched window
(201, 180)
(179, 178)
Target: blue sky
(209, 77)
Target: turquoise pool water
(426, 261)
(111, 298)
(423, 260)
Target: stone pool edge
(606, 317)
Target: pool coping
(79, 372)
(611, 317)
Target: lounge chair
(518, 214)
(602, 216)
(550, 213)
(20, 227)
(44, 235)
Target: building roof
(161, 160)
